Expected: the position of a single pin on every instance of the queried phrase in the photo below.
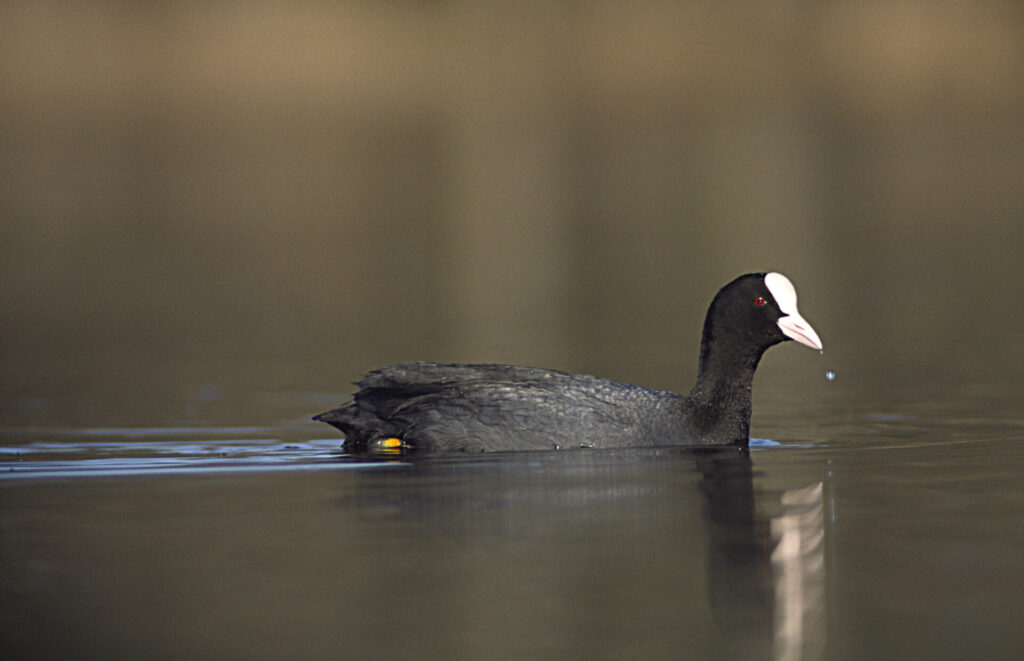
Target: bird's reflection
(764, 575)
(739, 572)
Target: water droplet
(830, 375)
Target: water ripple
(82, 453)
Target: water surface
(853, 533)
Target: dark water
(856, 532)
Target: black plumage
(505, 407)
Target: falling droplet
(830, 375)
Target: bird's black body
(504, 407)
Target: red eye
(759, 301)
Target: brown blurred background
(283, 195)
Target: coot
(504, 407)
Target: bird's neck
(721, 396)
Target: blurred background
(207, 200)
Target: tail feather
(340, 417)
(360, 424)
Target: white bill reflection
(798, 564)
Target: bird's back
(504, 407)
